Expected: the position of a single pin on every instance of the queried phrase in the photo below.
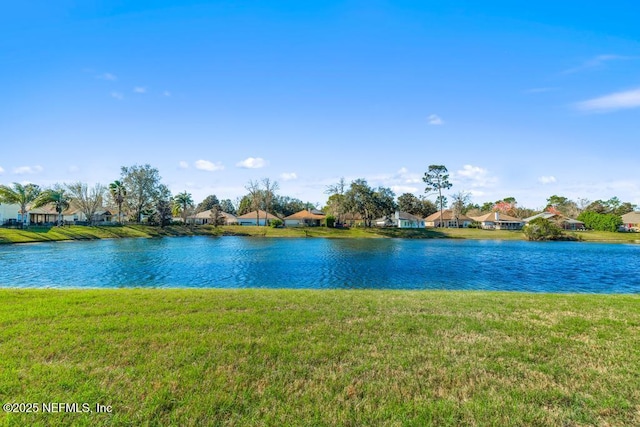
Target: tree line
(139, 193)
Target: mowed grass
(44, 234)
(77, 232)
(321, 358)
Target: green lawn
(336, 358)
(76, 232)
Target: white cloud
(27, 169)
(1, 170)
(400, 181)
(166, 93)
(206, 165)
(435, 120)
(594, 62)
(612, 102)
(107, 76)
(183, 164)
(73, 169)
(474, 177)
(547, 179)
(140, 89)
(288, 176)
(117, 95)
(400, 189)
(252, 163)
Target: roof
(491, 217)
(305, 214)
(407, 216)
(262, 214)
(549, 215)
(545, 215)
(46, 210)
(207, 214)
(631, 218)
(447, 215)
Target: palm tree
(118, 193)
(56, 196)
(20, 195)
(182, 202)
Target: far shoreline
(80, 233)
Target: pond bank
(48, 234)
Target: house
(9, 214)
(447, 220)
(206, 217)
(631, 221)
(100, 217)
(47, 215)
(565, 222)
(44, 215)
(385, 221)
(498, 221)
(407, 220)
(305, 218)
(351, 219)
(259, 217)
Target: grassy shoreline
(281, 357)
(48, 234)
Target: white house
(9, 214)
(407, 220)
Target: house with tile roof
(448, 220)
(258, 217)
(498, 221)
(206, 217)
(631, 221)
(305, 218)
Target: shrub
(600, 222)
(331, 221)
(542, 229)
(275, 223)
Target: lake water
(242, 262)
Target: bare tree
(253, 187)
(269, 193)
(460, 201)
(88, 200)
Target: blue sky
(524, 101)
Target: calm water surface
(241, 262)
